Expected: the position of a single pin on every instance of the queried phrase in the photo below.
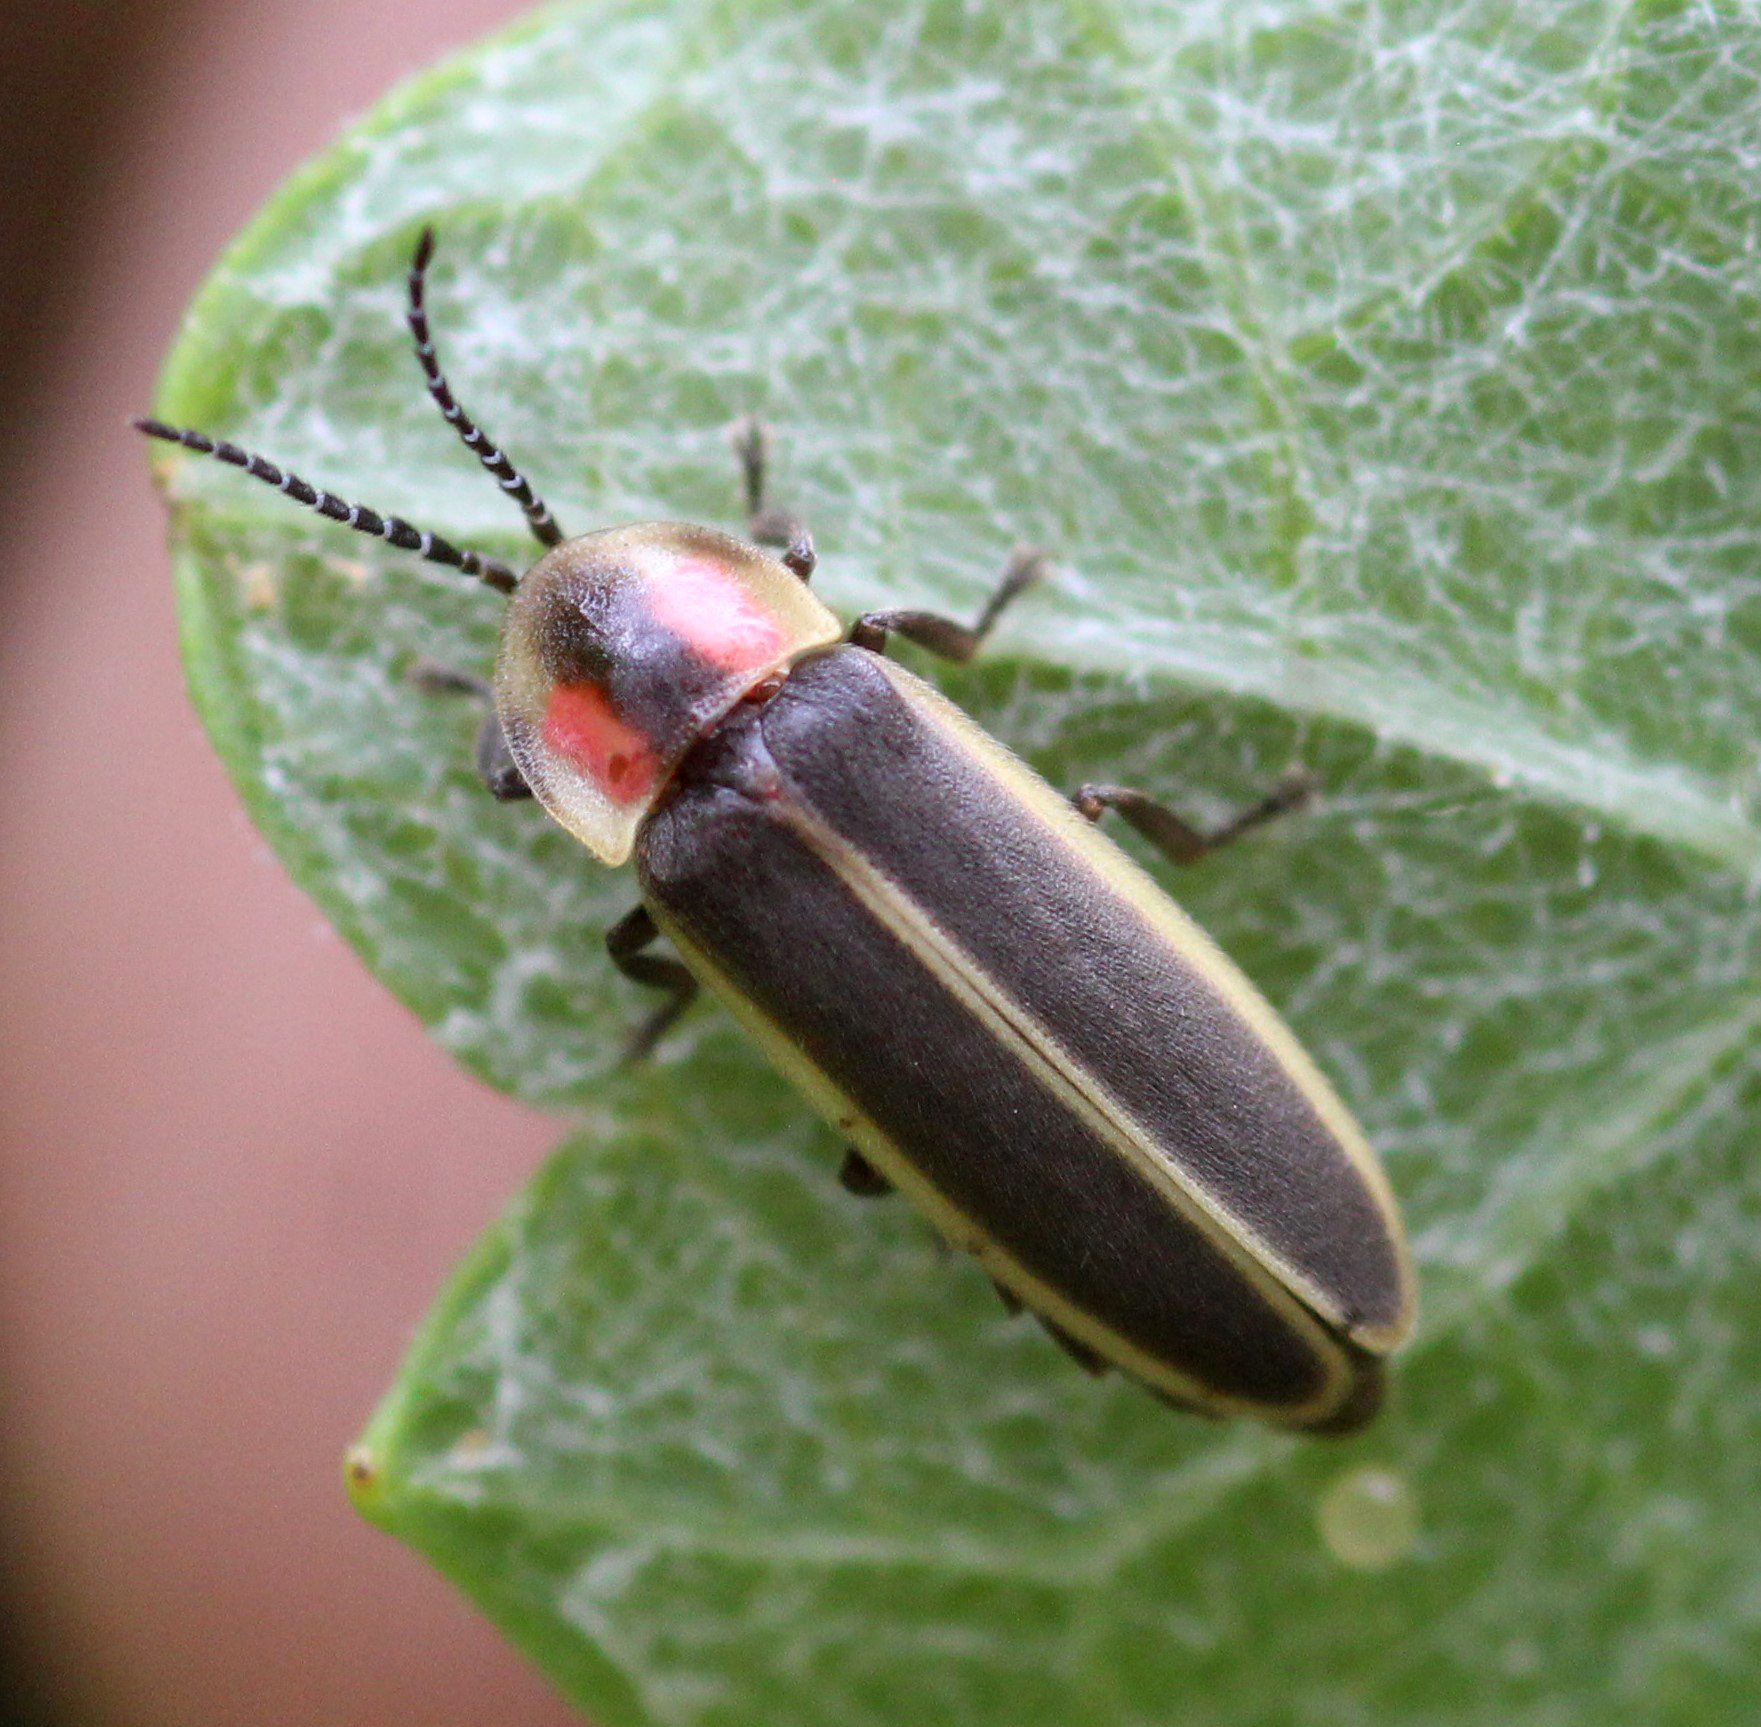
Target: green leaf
(1385, 378)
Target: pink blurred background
(232, 1171)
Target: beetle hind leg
(1091, 1361)
(1013, 1305)
(624, 941)
(750, 439)
(1185, 1405)
(858, 1176)
(944, 636)
(1175, 837)
(494, 761)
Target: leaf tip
(362, 1477)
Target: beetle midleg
(944, 636)
(858, 1176)
(1175, 837)
(624, 941)
(493, 759)
(750, 439)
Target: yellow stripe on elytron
(846, 1117)
(1095, 851)
(1084, 1097)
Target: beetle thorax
(622, 648)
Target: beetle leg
(496, 766)
(494, 761)
(750, 438)
(1012, 1303)
(953, 641)
(1087, 1359)
(1175, 837)
(624, 941)
(1172, 1402)
(858, 1176)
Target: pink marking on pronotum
(701, 602)
(580, 726)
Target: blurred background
(232, 1171)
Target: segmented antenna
(357, 516)
(513, 482)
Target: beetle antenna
(357, 516)
(513, 482)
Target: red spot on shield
(703, 603)
(579, 725)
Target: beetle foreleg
(496, 766)
(953, 641)
(769, 527)
(624, 941)
(494, 761)
(1175, 837)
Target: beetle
(1001, 1013)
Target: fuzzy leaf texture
(1385, 378)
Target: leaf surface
(1385, 379)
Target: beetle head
(621, 649)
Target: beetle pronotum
(1002, 1014)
